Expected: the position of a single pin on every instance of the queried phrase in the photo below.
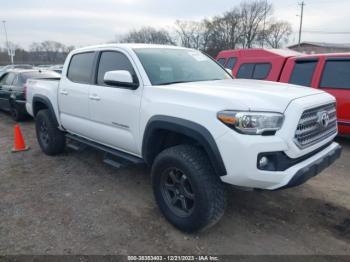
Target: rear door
(335, 79)
(73, 94)
(114, 110)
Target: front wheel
(187, 190)
(52, 141)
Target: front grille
(315, 125)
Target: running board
(75, 145)
(112, 156)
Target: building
(319, 48)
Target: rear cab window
(231, 62)
(303, 72)
(258, 71)
(261, 71)
(81, 68)
(336, 74)
(222, 61)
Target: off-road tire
(208, 190)
(52, 141)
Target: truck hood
(248, 94)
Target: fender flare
(44, 100)
(185, 127)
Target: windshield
(167, 66)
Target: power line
(326, 32)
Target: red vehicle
(329, 72)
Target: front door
(114, 110)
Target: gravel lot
(76, 204)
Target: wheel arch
(158, 126)
(41, 102)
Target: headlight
(252, 123)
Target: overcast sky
(86, 22)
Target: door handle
(95, 97)
(63, 92)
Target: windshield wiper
(179, 82)
(174, 82)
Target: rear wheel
(16, 114)
(187, 190)
(52, 141)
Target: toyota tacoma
(184, 115)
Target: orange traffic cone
(19, 144)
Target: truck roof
(259, 52)
(126, 46)
(283, 53)
(327, 55)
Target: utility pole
(302, 4)
(264, 33)
(10, 52)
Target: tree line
(250, 24)
(46, 52)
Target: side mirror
(121, 78)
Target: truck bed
(47, 87)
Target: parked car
(12, 90)
(180, 112)
(327, 72)
(43, 66)
(18, 66)
(56, 68)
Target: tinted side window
(336, 74)
(261, 71)
(221, 61)
(303, 72)
(10, 78)
(16, 82)
(111, 61)
(246, 71)
(3, 79)
(80, 68)
(231, 62)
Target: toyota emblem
(323, 119)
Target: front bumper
(242, 169)
(314, 168)
(240, 152)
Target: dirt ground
(76, 204)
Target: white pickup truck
(181, 113)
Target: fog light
(263, 162)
